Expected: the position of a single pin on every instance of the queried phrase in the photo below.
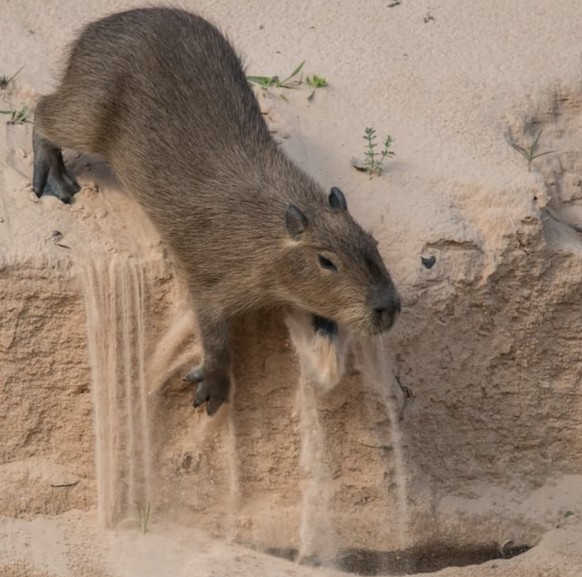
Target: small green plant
(316, 81)
(143, 517)
(531, 152)
(273, 81)
(373, 158)
(17, 116)
(6, 80)
(292, 81)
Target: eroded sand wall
(482, 404)
(46, 410)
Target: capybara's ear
(337, 199)
(295, 221)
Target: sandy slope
(443, 89)
(447, 79)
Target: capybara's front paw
(213, 389)
(325, 327)
(320, 345)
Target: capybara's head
(331, 267)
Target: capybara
(162, 96)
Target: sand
(486, 354)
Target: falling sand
(114, 300)
(124, 383)
(378, 375)
(316, 531)
(322, 364)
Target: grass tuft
(274, 82)
(294, 80)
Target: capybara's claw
(213, 390)
(202, 395)
(60, 188)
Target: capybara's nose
(385, 305)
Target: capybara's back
(162, 95)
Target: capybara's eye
(326, 263)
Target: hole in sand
(409, 561)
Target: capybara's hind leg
(50, 176)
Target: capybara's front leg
(213, 376)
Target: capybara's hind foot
(59, 187)
(50, 176)
(213, 388)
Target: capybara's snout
(384, 303)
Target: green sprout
(316, 81)
(531, 152)
(17, 116)
(143, 517)
(373, 158)
(6, 80)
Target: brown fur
(163, 97)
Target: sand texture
(461, 429)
